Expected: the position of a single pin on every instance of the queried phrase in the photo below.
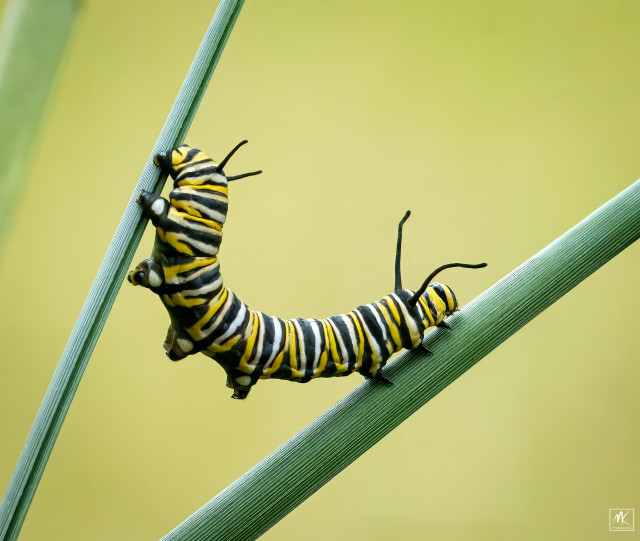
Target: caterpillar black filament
(207, 317)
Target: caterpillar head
(174, 161)
(199, 168)
(445, 294)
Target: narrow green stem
(28, 68)
(292, 473)
(66, 378)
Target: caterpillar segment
(207, 317)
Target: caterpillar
(207, 317)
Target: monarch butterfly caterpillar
(207, 317)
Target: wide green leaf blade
(292, 473)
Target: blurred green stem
(33, 36)
(292, 473)
(94, 313)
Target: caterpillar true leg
(148, 273)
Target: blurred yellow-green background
(499, 124)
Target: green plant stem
(28, 67)
(283, 480)
(94, 313)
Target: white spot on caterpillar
(217, 177)
(157, 207)
(184, 344)
(154, 279)
(243, 380)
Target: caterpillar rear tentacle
(207, 317)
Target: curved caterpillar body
(207, 317)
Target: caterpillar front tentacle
(207, 317)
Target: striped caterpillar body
(207, 317)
